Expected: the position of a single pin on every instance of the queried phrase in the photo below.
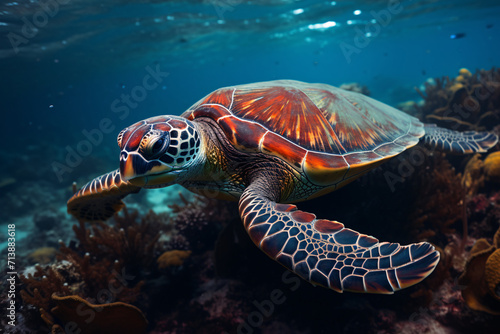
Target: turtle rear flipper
(458, 142)
(101, 198)
(326, 253)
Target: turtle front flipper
(458, 142)
(326, 253)
(100, 198)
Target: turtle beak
(140, 172)
(127, 170)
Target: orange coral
(478, 171)
(482, 276)
(492, 166)
(473, 177)
(492, 273)
(172, 258)
(40, 286)
(75, 314)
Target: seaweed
(131, 242)
(129, 247)
(440, 200)
(108, 263)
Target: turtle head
(159, 151)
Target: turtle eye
(157, 145)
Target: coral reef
(217, 308)
(195, 270)
(474, 176)
(192, 298)
(440, 201)
(409, 107)
(492, 167)
(481, 175)
(172, 258)
(197, 223)
(124, 260)
(492, 273)
(484, 214)
(109, 263)
(466, 102)
(41, 285)
(133, 243)
(482, 276)
(129, 247)
(74, 314)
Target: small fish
(458, 35)
(489, 26)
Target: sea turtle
(270, 144)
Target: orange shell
(327, 133)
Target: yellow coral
(172, 258)
(478, 93)
(492, 166)
(482, 276)
(473, 177)
(456, 88)
(465, 73)
(43, 255)
(492, 274)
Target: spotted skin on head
(183, 141)
(102, 197)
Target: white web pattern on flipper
(460, 142)
(341, 259)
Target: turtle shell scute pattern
(328, 134)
